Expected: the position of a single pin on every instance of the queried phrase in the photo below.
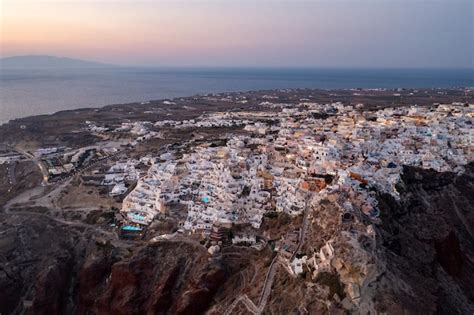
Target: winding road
(270, 276)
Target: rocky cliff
(51, 269)
(422, 262)
(426, 244)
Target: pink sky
(384, 33)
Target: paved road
(38, 162)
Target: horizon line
(108, 64)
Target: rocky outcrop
(37, 259)
(158, 279)
(92, 276)
(449, 255)
(418, 260)
(49, 268)
(197, 299)
(426, 244)
(50, 287)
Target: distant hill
(48, 62)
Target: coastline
(139, 103)
(30, 92)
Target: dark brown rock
(449, 254)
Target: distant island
(48, 62)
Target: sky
(278, 33)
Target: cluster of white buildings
(217, 185)
(218, 119)
(120, 173)
(291, 157)
(147, 200)
(372, 146)
(92, 127)
(290, 151)
(229, 189)
(139, 128)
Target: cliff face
(423, 255)
(48, 268)
(426, 243)
(36, 264)
(159, 279)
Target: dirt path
(266, 290)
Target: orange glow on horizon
(241, 32)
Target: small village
(236, 157)
(282, 159)
(287, 155)
(288, 162)
(303, 163)
(282, 154)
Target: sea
(33, 92)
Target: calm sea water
(32, 92)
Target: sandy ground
(17, 178)
(76, 195)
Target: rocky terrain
(60, 252)
(421, 263)
(427, 244)
(50, 268)
(17, 177)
